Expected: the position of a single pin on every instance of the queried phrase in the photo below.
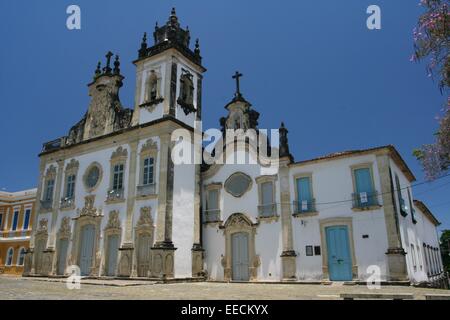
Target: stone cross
(236, 76)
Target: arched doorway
(240, 262)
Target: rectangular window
(118, 177)
(309, 251)
(1, 221)
(149, 164)
(49, 190)
(317, 251)
(365, 195)
(15, 220)
(267, 201)
(70, 191)
(26, 221)
(419, 257)
(401, 201)
(212, 202)
(304, 193)
(212, 213)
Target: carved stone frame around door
(80, 222)
(338, 221)
(237, 223)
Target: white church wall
(332, 189)
(268, 234)
(183, 218)
(214, 245)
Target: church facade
(112, 201)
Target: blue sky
(314, 65)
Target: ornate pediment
(72, 166)
(88, 209)
(145, 219)
(51, 172)
(149, 146)
(238, 219)
(113, 221)
(119, 153)
(64, 230)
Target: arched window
(21, 257)
(9, 256)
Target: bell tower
(169, 75)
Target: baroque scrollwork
(113, 221)
(89, 209)
(64, 230)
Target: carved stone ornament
(43, 226)
(238, 220)
(146, 217)
(150, 145)
(119, 153)
(88, 209)
(64, 230)
(72, 165)
(51, 172)
(113, 221)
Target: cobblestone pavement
(32, 288)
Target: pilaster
(288, 256)
(396, 260)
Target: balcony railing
(363, 200)
(304, 206)
(67, 202)
(53, 145)
(115, 194)
(212, 215)
(47, 204)
(146, 190)
(267, 210)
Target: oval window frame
(250, 184)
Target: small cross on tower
(236, 76)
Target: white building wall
(183, 218)
(332, 189)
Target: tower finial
(284, 144)
(173, 12)
(197, 47)
(98, 71)
(108, 56)
(117, 65)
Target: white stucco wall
(332, 189)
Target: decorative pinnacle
(98, 71)
(173, 12)
(156, 26)
(197, 47)
(117, 65)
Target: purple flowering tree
(431, 42)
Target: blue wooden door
(87, 249)
(62, 255)
(339, 258)
(143, 258)
(239, 257)
(113, 249)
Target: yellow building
(16, 219)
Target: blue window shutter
(15, 220)
(304, 189)
(363, 180)
(27, 219)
